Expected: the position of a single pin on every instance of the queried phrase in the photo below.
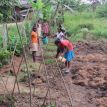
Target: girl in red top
(67, 51)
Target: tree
(6, 6)
(94, 4)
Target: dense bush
(1, 17)
(4, 57)
(102, 11)
(89, 26)
(15, 41)
(100, 32)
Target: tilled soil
(84, 86)
(89, 69)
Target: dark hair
(57, 41)
(34, 28)
(62, 30)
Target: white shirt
(39, 30)
(60, 35)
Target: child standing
(39, 28)
(45, 28)
(34, 43)
(67, 51)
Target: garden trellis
(14, 41)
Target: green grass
(50, 47)
(49, 53)
(97, 26)
(49, 61)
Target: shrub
(1, 17)
(11, 46)
(77, 37)
(0, 41)
(89, 26)
(100, 32)
(102, 11)
(4, 56)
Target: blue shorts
(69, 56)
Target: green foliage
(47, 12)
(49, 61)
(6, 8)
(52, 106)
(1, 41)
(82, 7)
(15, 41)
(4, 57)
(1, 99)
(14, 38)
(24, 77)
(77, 37)
(43, 10)
(75, 23)
(11, 101)
(9, 2)
(38, 5)
(89, 26)
(7, 100)
(71, 3)
(102, 11)
(100, 32)
(1, 17)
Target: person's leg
(34, 56)
(69, 64)
(66, 64)
(58, 51)
(68, 60)
(67, 67)
(64, 69)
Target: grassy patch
(50, 48)
(49, 61)
(96, 26)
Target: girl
(67, 51)
(34, 43)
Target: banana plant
(37, 6)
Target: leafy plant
(38, 6)
(100, 33)
(89, 26)
(1, 99)
(4, 56)
(52, 106)
(15, 41)
(102, 11)
(6, 8)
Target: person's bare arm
(65, 50)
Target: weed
(52, 106)
(4, 56)
(49, 61)
(1, 99)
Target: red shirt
(67, 44)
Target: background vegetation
(81, 21)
